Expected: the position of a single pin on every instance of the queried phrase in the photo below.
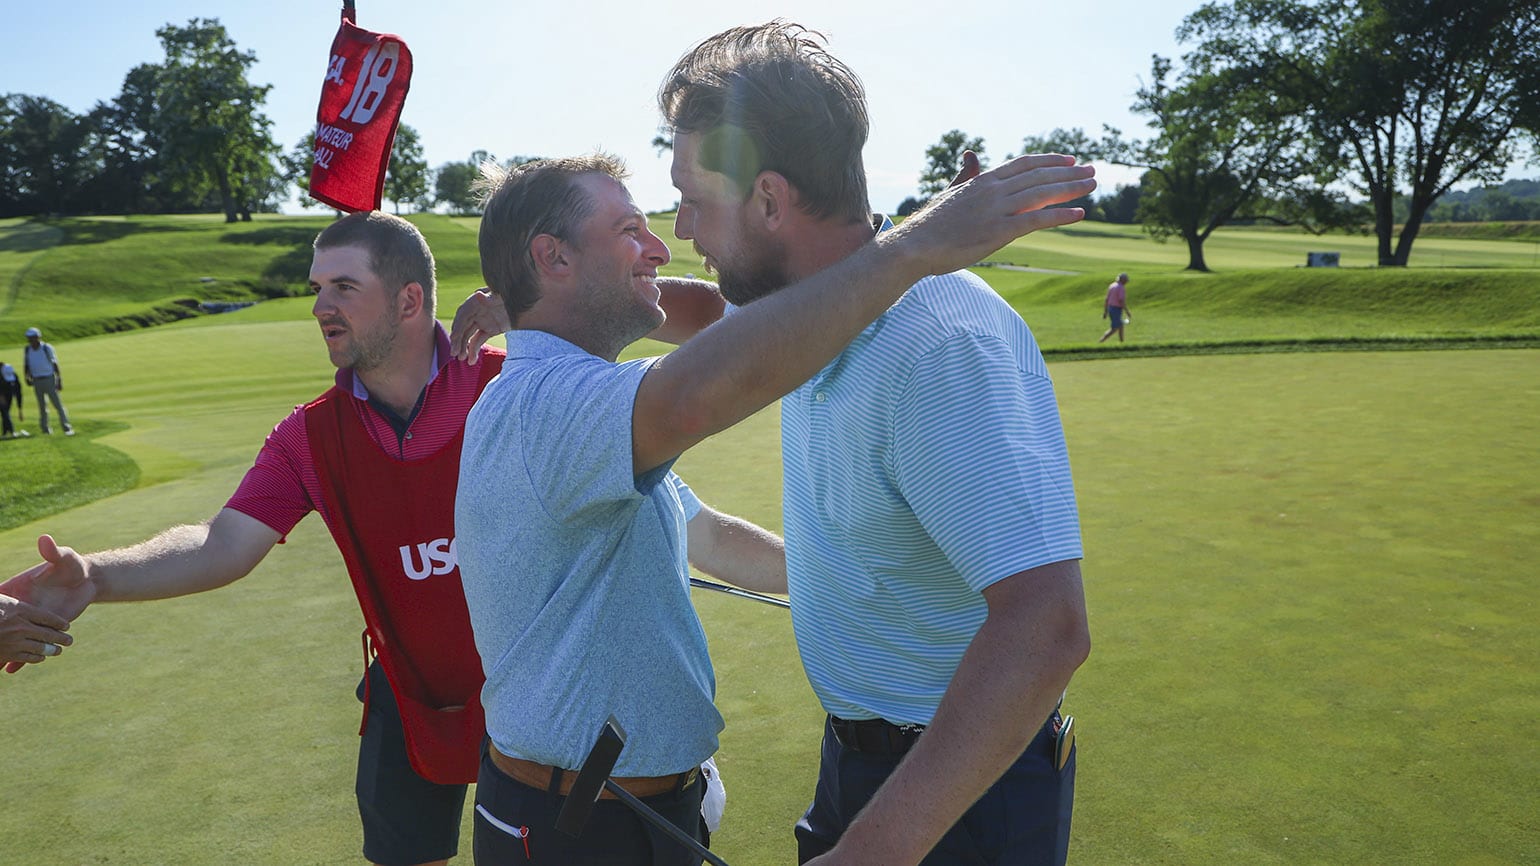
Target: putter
(594, 777)
(741, 593)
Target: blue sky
(554, 79)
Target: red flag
(366, 82)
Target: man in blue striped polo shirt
(932, 537)
(573, 531)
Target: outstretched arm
(180, 561)
(767, 348)
(732, 549)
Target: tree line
(188, 135)
(1358, 114)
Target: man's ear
(772, 199)
(409, 300)
(550, 255)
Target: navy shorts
(407, 819)
(1023, 819)
(1115, 315)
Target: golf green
(1313, 625)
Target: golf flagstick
(741, 593)
(594, 776)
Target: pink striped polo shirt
(281, 486)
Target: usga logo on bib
(427, 558)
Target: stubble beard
(371, 349)
(764, 274)
(618, 317)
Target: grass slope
(89, 275)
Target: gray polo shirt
(575, 569)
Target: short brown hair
(770, 98)
(398, 253)
(524, 202)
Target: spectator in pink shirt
(1116, 308)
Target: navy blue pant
(522, 827)
(1023, 819)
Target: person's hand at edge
(29, 634)
(59, 584)
(479, 318)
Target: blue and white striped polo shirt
(924, 463)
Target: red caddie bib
(393, 521)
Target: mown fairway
(1313, 619)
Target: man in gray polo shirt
(41, 367)
(572, 530)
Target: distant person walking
(10, 388)
(1116, 308)
(41, 366)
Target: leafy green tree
(208, 116)
(40, 154)
(1405, 97)
(943, 159)
(407, 179)
(1121, 206)
(452, 184)
(1226, 148)
(130, 137)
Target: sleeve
(687, 498)
(576, 436)
(274, 490)
(979, 454)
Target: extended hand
(57, 585)
(479, 318)
(29, 634)
(965, 223)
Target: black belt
(875, 736)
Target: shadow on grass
(43, 475)
(29, 237)
(79, 232)
(287, 274)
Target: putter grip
(590, 781)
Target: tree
(1225, 148)
(455, 182)
(1414, 95)
(40, 154)
(452, 186)
(1121, 206)
(407, 179)
(131, 132)
(942, 160)
(209, 118)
